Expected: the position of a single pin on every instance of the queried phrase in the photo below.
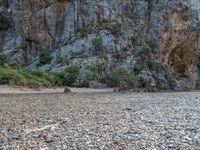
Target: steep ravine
(155, 40)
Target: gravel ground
(100, 121)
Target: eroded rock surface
(67, 29)
(178, 45)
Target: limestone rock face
(108, 33)
(195, 4)
(178, 44)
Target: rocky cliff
(157, 40)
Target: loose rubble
(100, 121)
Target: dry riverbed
(100, 121)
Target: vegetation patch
(77, 54)
(90, 74)
(146, 59)
(38, 77)
(70, 75)
(11, 77)
(63, 60)
(145, 52)
(5, 20)
(84, 32)
(24, 45)
(35, 79)
(116, 29)
(144, 82)
(98, 46)
(120, 77)
(45, 58)
(2, 60)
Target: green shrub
(32, 81)
(98, 46)
(40, 77)
(141, 66)
(120, 76)
(113, 78)
(152, 65)
(5, 20)
(78, 54)
(91, 74)
(147, 59)
(63, 60)
(132, 80)
(35, 79)
(49, 78)
(92, 68)
(45, 58)
(11, 77)
(84, 32)
(58, 78)
(24, 45)
(2, 60)
(39, 73)
(164, 87)
(71, 74)
(117, 56)
(145, 52)
(116, 29)
(127, 49)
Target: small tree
(99, 48)
(45, 58)
(71, 74)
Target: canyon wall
(153, 39)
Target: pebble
(100, 121)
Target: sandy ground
(25, 90)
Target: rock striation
(156, 40)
